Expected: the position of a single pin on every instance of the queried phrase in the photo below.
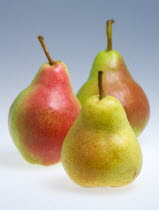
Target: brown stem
(41, 40)
(100, 85)
(109, 34)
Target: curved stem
(41, 40)
(109, 34)
(100, 85)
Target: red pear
(43, 113)
(117, 82)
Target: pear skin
(101, 148)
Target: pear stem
(109, 34)
(41, 40)
(100, 85)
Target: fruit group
(117, 82)
(42, 114)
(101, 148)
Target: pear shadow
(65, 185)
(10, 158)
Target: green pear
(101, 148)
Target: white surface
(30, 187)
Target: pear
(117, 82)
(101, 148)
(42, 114)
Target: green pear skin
(101, 148)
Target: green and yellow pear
(101, 148)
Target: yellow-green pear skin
(101, 148)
